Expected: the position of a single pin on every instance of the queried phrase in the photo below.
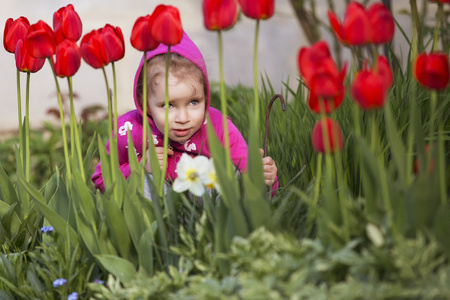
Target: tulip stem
(144, 118)
(63, 123)
(223, 102)
(255, 74)
(27, 129)
(441, 160)
(19, 110)
(110, 125)
(75, 136)
(433, 104)
(115, 94)
(439, 19)
(166, 123)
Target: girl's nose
(182, 116)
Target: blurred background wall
(279, 41)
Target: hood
(185, 48)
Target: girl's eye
(163, 106)
(194, 102)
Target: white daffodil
(209, 178)
(189, 172)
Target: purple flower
(47, 229)
(73, 296)
(59, 282)
(98, 281)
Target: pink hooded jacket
(133, 122)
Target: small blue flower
(99, 281)
(59, 282)
(73, 296)
(47, 229)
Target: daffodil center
(192, 174)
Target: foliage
(344, 226)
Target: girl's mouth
(181, 132)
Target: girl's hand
(270, 169)
(159, 155)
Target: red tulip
(219, 14)
(310, 59)
(68, 58)
(432, 70)
(382, 23)
(112, 43)
(14, 31)
(368, 89)
(141, 36)
(333, 136)
(322, 77)
(40, 41)
(440, 1)
(67, 24)
(355, 29)
(166, 25)
(90, 49)
(258, 9)
(328, 89)
(26, 62)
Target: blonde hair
(179, 66)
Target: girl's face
(187, 103)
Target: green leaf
(396, 146)
(54, 219)
(145, 251)
(257, 208)
(119, 267)
(8, 193)
(9, 219)
(117, 227)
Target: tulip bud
(26, 62)
(68, 59)
(258, 9)
(331, 130)
(141, 36)
(40, 41)
(67, 24)
(165, 25)
(219, 14)
(432, 70)
(15, 30)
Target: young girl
(189, 100)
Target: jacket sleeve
(125, 124)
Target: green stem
(144, 119)
(27, 130)
(412, 98)
(433, 104)
(166, 124)
(439, 21)
(415, 29)
(442, 165)
(114, 155)
(373, 132)
(255, 74)
(74, 130)
(110, 125)
(223, 102)
(19, 110)
(318, 177)
(109, 104)
(63, 123)
(116, 116)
